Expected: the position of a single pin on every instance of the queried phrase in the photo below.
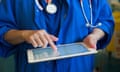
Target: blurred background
(107, 60)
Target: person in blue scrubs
(25, 24)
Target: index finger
(50, 41)
(53, 45)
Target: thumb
(90, 42)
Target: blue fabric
(68, 24)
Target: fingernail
(35, 46)
(55, 49)
(39, 46)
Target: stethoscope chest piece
(51, 8)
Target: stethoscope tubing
(84, 14)
(88, 24)
(39, 5)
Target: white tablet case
(64, 51)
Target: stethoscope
(89, 24)
(51, 9)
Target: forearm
(14, 37)
(35, 37)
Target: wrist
(98, 33)
(22, 35)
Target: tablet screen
(64, 51)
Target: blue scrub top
(68, 24)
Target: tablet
(63, 51)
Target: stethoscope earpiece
(92, 26)
(89, 24)
(99, 24)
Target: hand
(91, 40)
(39, 38)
